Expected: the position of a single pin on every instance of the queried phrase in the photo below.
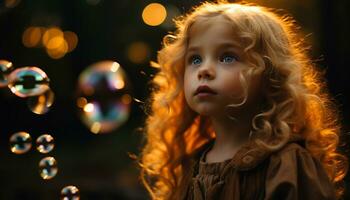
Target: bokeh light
(45, 143)
(70, 192)
(20, 142)
(102, 100)
(56, 42)
(154, 14)
(89, 107)
(28, 81)
(60, 48)
(138, 52)
(48, 168)
(81, 102)
(51, 33)
(32, 36)
(71, 39)
(12, 3)
(5, 69)
(56, 45)
(41, 104)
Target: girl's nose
(206, 72)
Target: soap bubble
(20, 142)
(41, 104)
(28, 81)
(5, 68)
(45, 143)
(103, 97)
(70, 193)
(48, 168)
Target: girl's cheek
(233, 86)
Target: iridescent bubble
(5, 68)
(28, 81)
(41, 104)
(20, 142)
(45, 143)
(48, 168)
(103, 97)
(70, 193)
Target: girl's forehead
(203, 22)
(216, 25)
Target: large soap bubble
(28, 81)
(104, 97)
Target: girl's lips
(204, 90)
(204, 95)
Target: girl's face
(212, 66)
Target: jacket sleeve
(294, 174)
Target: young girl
(240, 112)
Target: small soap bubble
(20, 142)
(45, 143)
(28, 81)
(41, 104)
(48, 168)
(5, 68)
(70, 193)
(104, 97)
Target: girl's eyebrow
(229, 45)
(193, 48)
(227, 42)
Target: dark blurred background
(99, 164)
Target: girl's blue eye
(195, 60)
(228, 59)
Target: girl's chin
(208, 112)
(207, 109)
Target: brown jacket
(291, 173)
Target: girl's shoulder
(296, 148)
(252, 155)
(294, 172)
(295, 158)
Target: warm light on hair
(296, 101)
